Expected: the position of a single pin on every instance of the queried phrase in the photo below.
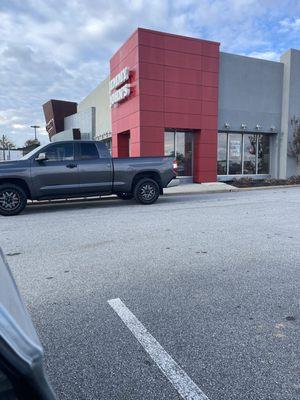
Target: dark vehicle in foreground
(21, 355)
(81, 169)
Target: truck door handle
(71, 166)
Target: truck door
(57, 175)
(95, 168)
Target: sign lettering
(120, 78)
(120, 94)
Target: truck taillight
(175, 166)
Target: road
(213, 278)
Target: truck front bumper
(173, 182)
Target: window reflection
(263, 166)
(243, 153)
(222, 154)
(179, 144)
(235, 154)
(180, 152)
(249, 154)
(60, 152)
(170, 144)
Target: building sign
(235, 148)
(122, 92)
(50, 127)
(103, 136)
(122, 77)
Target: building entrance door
(179, 144)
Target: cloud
(54, 50)
(290, 24)
(19, 126)
(266, 55)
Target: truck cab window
(60, 152)
(88, 151)
(103, 150)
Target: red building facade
(173, 83)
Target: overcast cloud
(61, 49)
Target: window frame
(45, 149)
(226, 151)
(103, 149)
(87, 159)
(243, 133)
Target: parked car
(81, 169)
(22, 375)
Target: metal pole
(3, 137)
(35, 128)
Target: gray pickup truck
(81, 169)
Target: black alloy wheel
(13, 199)
(146, 191)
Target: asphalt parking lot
(213, 278)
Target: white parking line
(176, 375)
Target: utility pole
(3, 147)
(35, 127)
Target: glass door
(179, 144)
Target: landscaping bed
(250, 182)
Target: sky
(61, 48)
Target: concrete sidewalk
(200, 188)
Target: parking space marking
(176, 375)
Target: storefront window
(222, 154)
(243, 153)
(250, 154)
(235, 154)
(263, 164)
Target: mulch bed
(249, 182)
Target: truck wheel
(125, 196)
(13, 199)
(146, 191)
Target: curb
(202, 192)
(237, 189)
(268, 187)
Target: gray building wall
(63, 135)
(99, 98)
(290, 109)
(250, 93)
(83, 120)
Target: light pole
(35, 127)
(3, 146)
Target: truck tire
(125, 196)
(13, 199)
(146, 191)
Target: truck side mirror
(41, 157)
(21, 353)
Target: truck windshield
(32, 152)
